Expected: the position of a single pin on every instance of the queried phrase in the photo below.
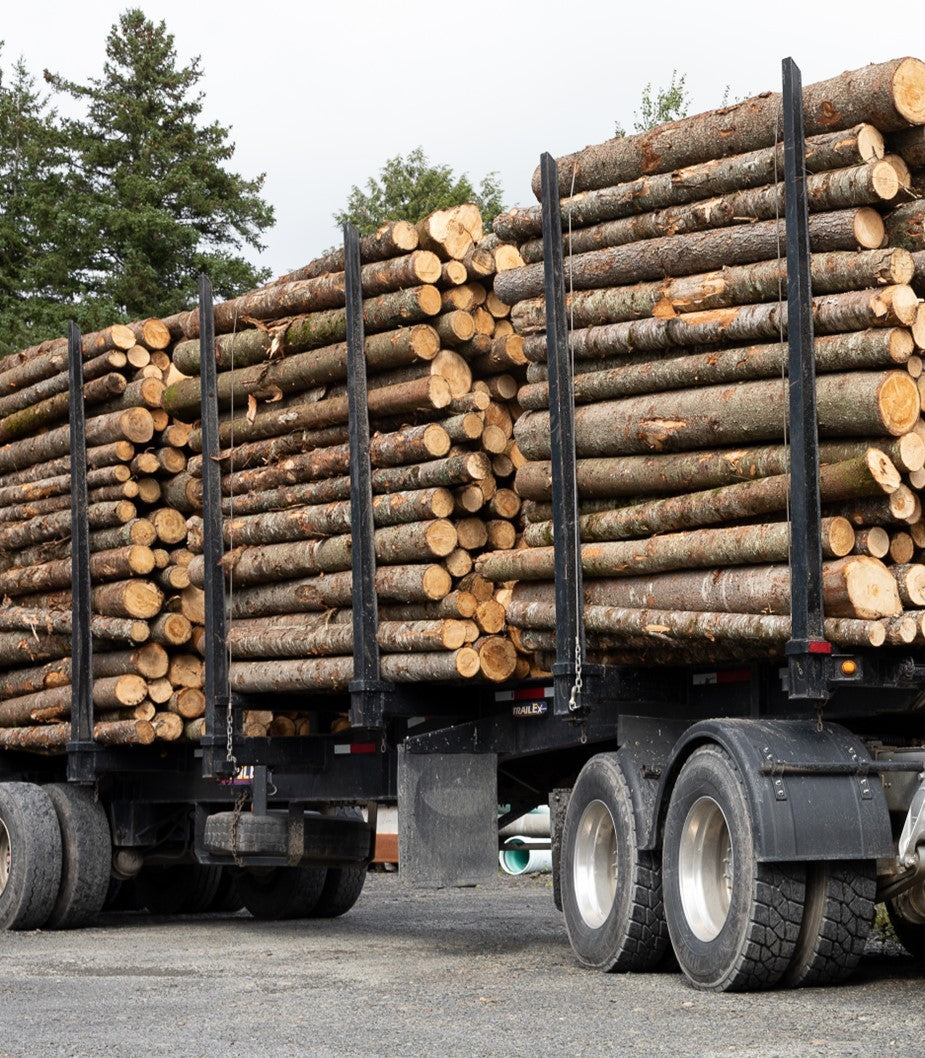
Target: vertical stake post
(807, 647)
(566, 536)
(218, 700)
(82, 748)
(367, 690)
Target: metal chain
(239, 804)
(229, 736)
(573, 702)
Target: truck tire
(227, 899)
(837, 916)
(340, 891)
(611, 891)
(183, 889)
(907, 915)
(277, 893)
(30, 856)
(734, 922)
(86, 856)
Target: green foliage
(660, 105)
(156, 201)
(411, 187)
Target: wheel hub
(705, 869)
(911, 905)
(6, 856)
(594, 872)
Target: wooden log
(900, 631)
(169, 525)
(851, 404)
(856, 586)
(36, 363)
(391, 239)
(168, 727)
(890, 96)
(188, 703)
(724, 627)
(171, 629)
(740, 545)
(59, 622)
(835, 352)
(683, 472)
(108, 692)
(677, 255)
(48, 527)
(874, 542)
(715, 176)
(870, 475)
(98, 456)
(104, 565)
(451, 233)
(334, 674)
(273, 527)
(18, 398)
(497, 658)
(918, 280)
(53, 737)
(831, 273)
(458, 604)
(867, 184)
(330, 640)
(852, 311)
(910, 581)
(905, 226)
(431, 393)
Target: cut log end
(869, 229)
(871, 147)
(899, 403)
(909, 90)
(436, 582)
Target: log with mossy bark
(678, 255)
(831, 273)
(890, 96)
(854, 404)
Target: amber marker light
(849, 667)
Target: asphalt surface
(470, 973)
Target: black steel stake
(218, 701)
(567, 549)
(807, 647)
(367, 689)
(81, 748)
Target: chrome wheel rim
(6, 856)
(705, 869)
(594, 871)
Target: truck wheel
(907, 915)
(30, 856)
(86, 855)
(837, 917)
(340, 892)
(227, 898)
(184, 889)
(611, 891)
(734, 922)
(282, 892)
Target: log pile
(676, 272)
(443, 368)
(142, 619)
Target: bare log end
(909, 90)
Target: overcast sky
(319, 95)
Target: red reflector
(820, 647)
(734, 676)
(362, 747)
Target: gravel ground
(469, 973)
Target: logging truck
(737, 782)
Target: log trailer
(746, 817)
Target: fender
(819, 816)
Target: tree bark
(37, 530)
(831, 273)
(171, 629)
(838, 313)
(388, 240)
(297, 641)
(856, 586)
(99, 456)
(106, 565)
(890, 96)
(905, 226)
(59, 622)
(835, 352)
(862, 185)
(678, 255)
(853, 404)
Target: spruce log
(331, 640)
(414, 583)
(678, 255)
(874, 542)
(740, 545)
(13, 618)
(98, 456)
(51, 737)
(37, 530)
(171, 629)
(391, 239)
(868, 184)
(124, 598)
(723, 627)
(406, 398)
(890, 96)
(918, 280)
(851, 311)
(716, 176)
(105, 565)
(451, 232)
(905, 226)
(60, 485)
(854, 404)
(831, 273)
(675, 473)
(856, 586)
(108, 692)
(870, 475)
(262, 453)
(334, 674)
(32, 365)
(835, 352)
(397, 508)
(910, 580)
(17, 398)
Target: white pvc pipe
(521, 855)
(534, 824)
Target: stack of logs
(144, 611)
(674, 244)
(443, 368)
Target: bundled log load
(677, 313)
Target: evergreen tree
(37, 287)
(411, 187)
(156, 196)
